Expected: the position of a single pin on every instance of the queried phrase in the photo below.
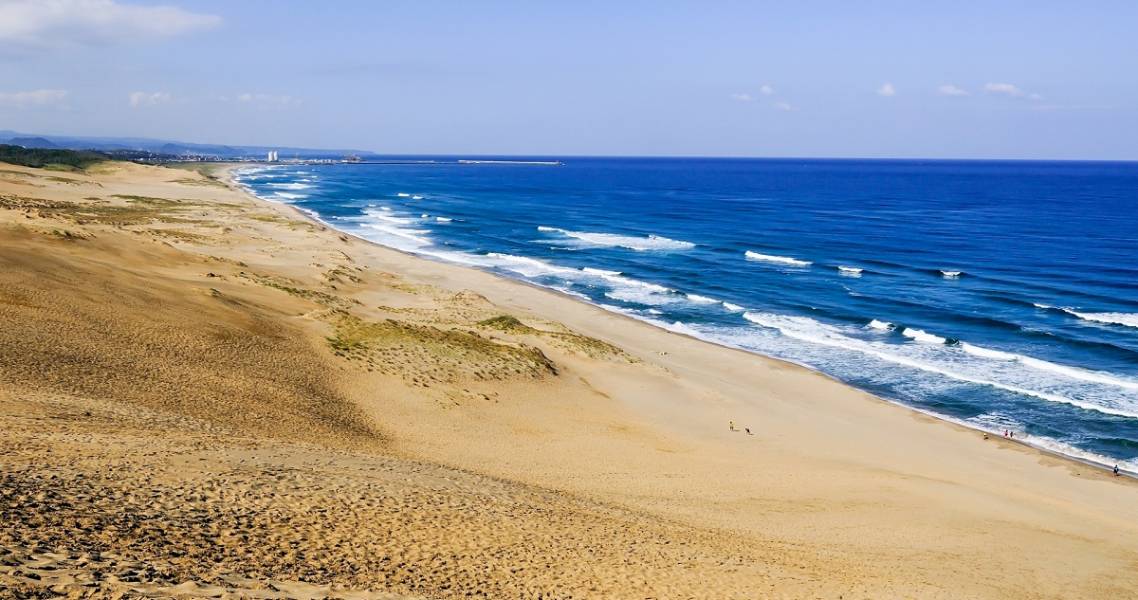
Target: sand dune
(205, 395)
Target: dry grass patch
(423, 354)
(573, 342)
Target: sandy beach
(207, 395)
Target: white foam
(1043, 306)
(443, 219)
(1110, 318)
(956, 363)
(416, 197)
(1043, 365)
(289, 186)
(922, 336)
(778, 260)
(571, 292)
(880, 325)
(643, 296)
(849, 271)
(733, 307)
(677, 327)
(601, 272)
(403, 195)
(650, 242)
(696, 298)
(951, 274)
(383, 227)
(529, 267)
(986, 352)
(289, 196)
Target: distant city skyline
(819, 79)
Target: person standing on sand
(731, 425)
(1116, 470)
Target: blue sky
(860, 79)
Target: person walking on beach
(1116, 470)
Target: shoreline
(226, 171)
(178, 349)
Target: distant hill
(64, 160)
(168, 147)
(32, 142)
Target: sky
(996, 79)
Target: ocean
(1002, 295)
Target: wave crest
(1089, 390)
(650, 242)
(1109, 318)
(778, 260)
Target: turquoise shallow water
(1003, 295)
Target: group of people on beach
(731, 426)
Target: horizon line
(615, 156)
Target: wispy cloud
(268, 100)
(785, 106)
(138, 99)
(33, 98)
(887, 90)
(1007, 89)
(766, 90)
(742, 97)
(1010, 90)
(40, 23)
(951, 90)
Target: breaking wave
(1109, 318)
(650, 242)
(1045, 381)
(778, 260)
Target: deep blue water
(1000, 294)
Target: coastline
(181, 351)
(227, 173)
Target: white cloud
(951, 90)
(742, 97)
(33, 98)
(63, 22)
(1006, 89)
(148, 98)
(267, 99)
(887, 90)
(784, 106)
(766, 90)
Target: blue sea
(998, 294)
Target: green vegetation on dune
(55, 160)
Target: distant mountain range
(167, 147)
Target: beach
(204, 393)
